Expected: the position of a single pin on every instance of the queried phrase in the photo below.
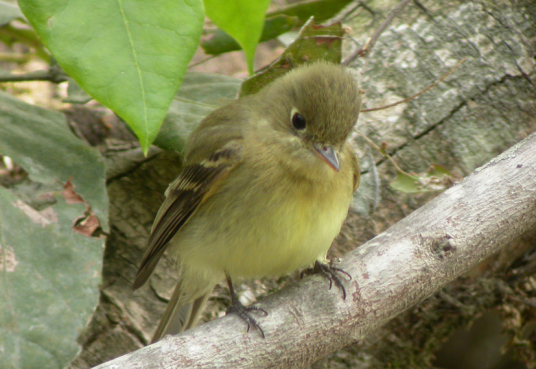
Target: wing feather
(195, 185)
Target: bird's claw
(243, 313)
(330, 272)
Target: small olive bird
(266, 186)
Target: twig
(343, 16)
(417, 94)
(202, 61)
(14, 57)
(365, 50)
(376, 181)
(383, 152)
(50, 75)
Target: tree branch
(54, 75)
(394, 271)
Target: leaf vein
(138, 69)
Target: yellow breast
(265, 227)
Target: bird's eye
(298, 121)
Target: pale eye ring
(298, 121)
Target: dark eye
(298, 121)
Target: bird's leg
(330, 272)
(241, 310)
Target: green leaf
(437, 178)
(40, 141)
(50, 273)
(129, 55)
(242, 19)
(198, 96)
(221, 42)
(313, 43)
(321, 10)
(49, 284)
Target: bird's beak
(328, 154)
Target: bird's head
(318, 104)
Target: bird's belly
(274, 236)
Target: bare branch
(392, 272)
(367, 48)
(54, 75)
(418, 93)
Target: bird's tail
(180, 313)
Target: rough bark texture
(486, 106)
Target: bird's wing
(355, 168)
(193, 187)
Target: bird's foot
(244, 313)
(330, 272)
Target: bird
(266, 186)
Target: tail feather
(146, 270)
(197, 308)
(180, 314)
